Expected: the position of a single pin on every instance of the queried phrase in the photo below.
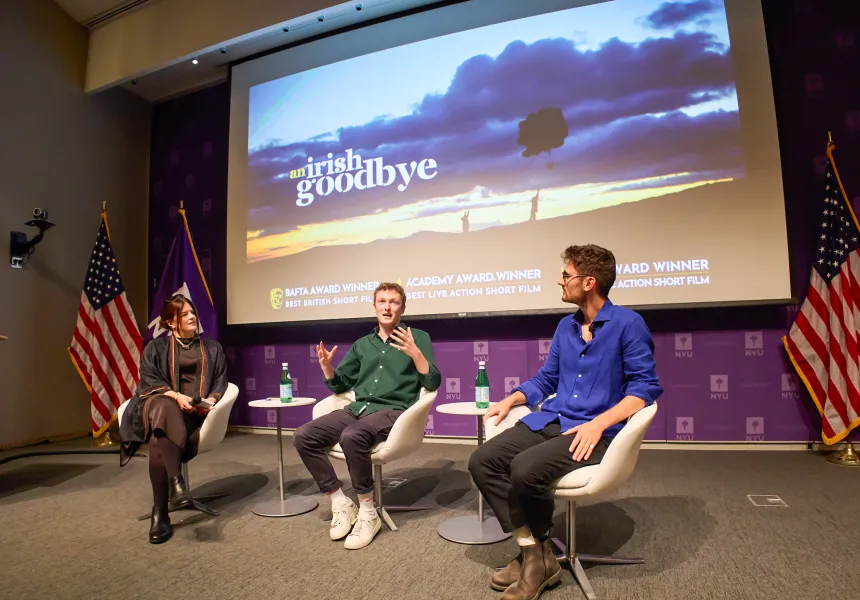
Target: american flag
(106, 345)
(823, 341)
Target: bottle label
(482, 397)
(286, 391)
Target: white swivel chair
(406, 437)
(588, 482)
(211, 434)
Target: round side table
(286, 506)
(471, 529)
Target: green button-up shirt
(383, 377)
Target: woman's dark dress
(200, 370)
(180, 427)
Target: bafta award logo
(277, 298)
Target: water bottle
(482, 387)
(286, 384)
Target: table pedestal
(474, 529)
(286, 506)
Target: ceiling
(183, 76)
(89, 12)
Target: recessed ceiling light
(194, 61)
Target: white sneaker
(343, 517)
(366, 528)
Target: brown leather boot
(503, 578)
(540, 570)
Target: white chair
(406, 436)
(588, 482)
(211, 434)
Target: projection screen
(460, 150)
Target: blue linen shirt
(590, 378)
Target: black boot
(179, 496)
(160, 529)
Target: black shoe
(127, 451)
(179, 496)
(160, 529)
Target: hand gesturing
(324, 356)
(404, 342)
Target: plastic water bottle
(482, 387)
(286, 384)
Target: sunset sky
(646, 88)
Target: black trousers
(356, 435)
(515, 469)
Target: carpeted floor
(69, 531)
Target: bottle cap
(482, 363)
(284, 364)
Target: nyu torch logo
(452, 388)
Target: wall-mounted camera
(20, 248)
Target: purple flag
(183, 275)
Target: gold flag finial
(830, 137)
(181, 205)
(104, 205)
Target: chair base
(383, 508)
(573, 560)
(575, 565)
(197, 504)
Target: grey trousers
(356, 435)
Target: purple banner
(183, 274)
(721, 386)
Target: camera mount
(20, 248)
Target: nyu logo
(269, 355)
(313, 352)
(790, 386)
(481, 350)
(719, 387)
(510, 384)
(683, 345)
(684, 428)
(753, 343)
(755, 429)
(250, 384)
(428, 430)
(452, 388)
(543, 349)
(295, 384)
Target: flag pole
(105, 440)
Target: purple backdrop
(724, 369)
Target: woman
(176, 372)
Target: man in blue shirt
(601, 369)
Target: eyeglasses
(565, 276)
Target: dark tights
(165, 460)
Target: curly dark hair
(386, 286)
(594, 261)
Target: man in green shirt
(386, 369)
